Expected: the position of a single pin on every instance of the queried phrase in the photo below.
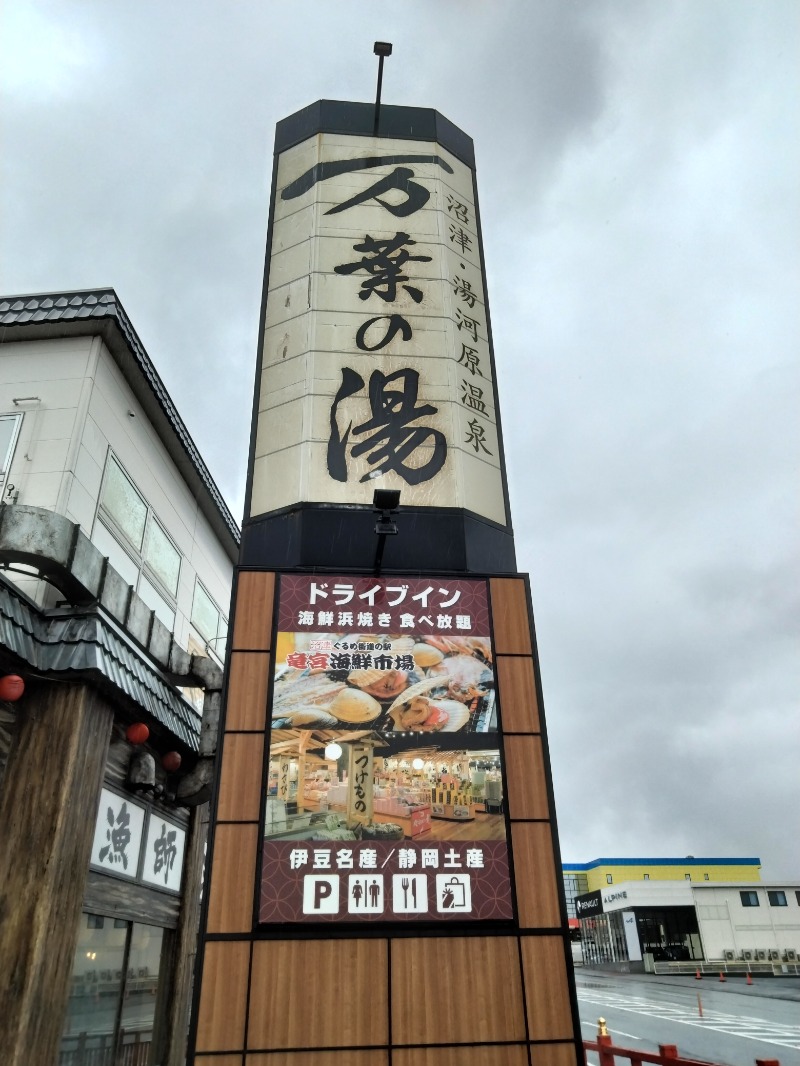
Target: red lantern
(171, 762)
(137, 733)
(11, 687)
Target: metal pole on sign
(381, 49)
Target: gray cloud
(638, 168)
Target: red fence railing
(667, 1054)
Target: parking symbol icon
(320, 894)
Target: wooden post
(668, 1051)
(47, 812)
(174, 981)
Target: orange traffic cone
(722, 976)
(698, 976)
(749, 978)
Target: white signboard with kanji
(118, 835)
(163, 854)
(376, 368)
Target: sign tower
(384, 877)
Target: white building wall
(628, 894)
(84, 409)
(50, 382)
(727, 925)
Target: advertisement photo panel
(384, 791)
(391, 654)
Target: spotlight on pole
(384, 503)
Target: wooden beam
(47, 813)
(175, 979)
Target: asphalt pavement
(738, 1023)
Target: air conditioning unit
(729, 955)
(747, 955)
(790, 955)
(774, 953)
(760, 955)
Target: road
(739, 1023)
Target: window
(112, 998)
(209, 622)
(609, 879)
(137, 545)
(9, 431)
(705, 877)
(647, 877)
(777, 899)
(122, 503)
(687, 877)
(749, 899)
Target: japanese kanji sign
(118, 835)
(361, 772)
(141, 846)
(308, 881)
(376, 365)
(384, 790)
(402, 654)
(163, 855)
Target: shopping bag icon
(453, 897)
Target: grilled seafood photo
(419, 710)
(447, 684)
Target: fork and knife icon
(405, 884)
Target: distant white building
(645, 924)
(752, 923)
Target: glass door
(112, 1000)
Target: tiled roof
(87, 644)
(104, 304)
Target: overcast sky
(638, 176)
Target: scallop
(425, 655)
(353, 705)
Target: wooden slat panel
(318, 1058)
(516, 688)
(233, 872)
(535, 875)
(513, 1055)
(512, 630)
(135, 903)
(220, 1021)
(319, 993)
(555, 1055)
(252, 627)
(546, 991)
(456, 990)
(527, 788)
(246, 706)
(218, 1060)
(240, 778)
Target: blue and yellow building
(583, 877)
